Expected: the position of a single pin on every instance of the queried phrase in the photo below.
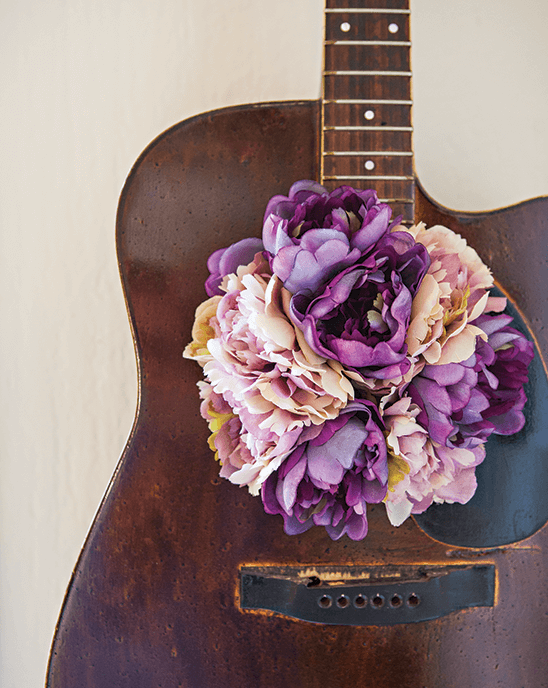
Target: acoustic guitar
(184, 580)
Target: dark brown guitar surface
(153, 600)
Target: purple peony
(450, 401)
(462, 404)
(330, 479)
(503, 379)
(312, 235)
(360, 317)
(225, 261)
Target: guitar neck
(366, 137)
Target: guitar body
(154, 599)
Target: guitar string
(364, 101)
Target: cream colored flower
(451, 296)
(420, 470)
(259, 363)
(203, 330)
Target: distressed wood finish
(153, 599)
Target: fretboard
(366, 100)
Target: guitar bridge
(366, 596)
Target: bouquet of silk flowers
(349, 360)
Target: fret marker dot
(369, 165)
(345, 26)
(393, 28)
(369, 114)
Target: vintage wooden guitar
(184, 580)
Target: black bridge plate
(374, 596)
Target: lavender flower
(312, 235)
(462, 404)
(451, 403)
(360, 317)
(330, 479)
(225, 261)
(503, 379)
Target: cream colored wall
(85, 86)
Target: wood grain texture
(153, 601)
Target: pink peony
(229, 440)
(422, 471)
(259, 363)
(453, 293)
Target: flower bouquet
(351, 360)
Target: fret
(359, 72)
(364, 10)
(376, 177)
(380, 4)
(369, 101)
(370, 42)
(366, 101)
(366, 128)
(383, 153)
